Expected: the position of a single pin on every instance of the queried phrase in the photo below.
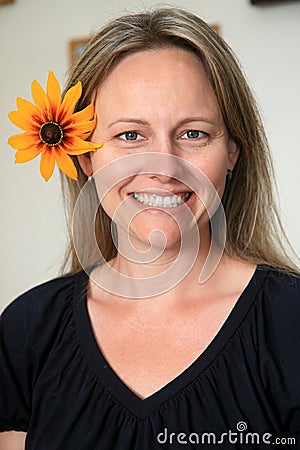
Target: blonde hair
(254, 230)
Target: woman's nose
(164, 166)
(167, 158)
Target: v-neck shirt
(56, 385)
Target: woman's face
(160, 101)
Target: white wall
(33, 39)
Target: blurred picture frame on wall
(76, 48)
(6, 2)
(270, 2)
(216, 27)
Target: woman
(96, 360)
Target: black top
(244, 388)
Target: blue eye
(130, 136)
(193, 134)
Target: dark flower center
(51, 133)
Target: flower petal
(23, 156)
(26, 108)
(85, 114)
(23, 141)
(70, 99)
(76, 144)
(54, 93)
(40, 98)
(47, 164)
(80, 151)
(80, 129)
(20, 121)
(66, 164)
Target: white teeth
(173, 200)
(159, 201)
(162, 201)
(151, 201)
(168, 201)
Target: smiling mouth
(163, 201)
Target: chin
(161, 238)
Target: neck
(174, 267)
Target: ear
(85, 163)
(233, 151)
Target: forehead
(158, 76)
(156, 63)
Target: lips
(163, 201)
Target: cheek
(110, 179)
(217, 176)
(108, 203)
(100, 158)
(215, 170)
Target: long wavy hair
(254, 229)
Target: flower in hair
(52, 128)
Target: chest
(148, 351)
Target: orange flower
(52, 129)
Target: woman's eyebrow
(196, 119)
(144, 122)
(127, 120)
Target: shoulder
(278, 302)
(40, 308)
(278, 318)
(40, 296)
(281, 292)
(30, 327)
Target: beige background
(34, 37)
